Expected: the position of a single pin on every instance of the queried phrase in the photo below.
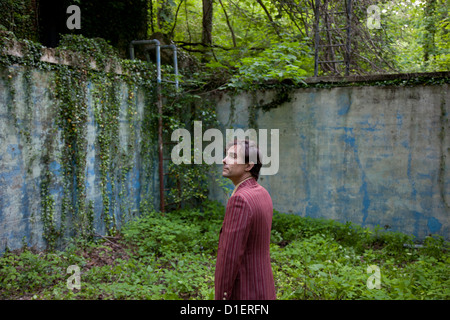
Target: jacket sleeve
(232, 242)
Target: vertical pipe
(160, 138)
(159, 103)
(175, 65)
(131, 51)
(158, 61)
(175, 61)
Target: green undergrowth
(172, 256)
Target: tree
(419, 34)
(414, 34)
(430, 29)
(207, 22)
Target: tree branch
(269, 16)
(228, 23)
(184, 44)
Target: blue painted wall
(370, 155)
(31, 145)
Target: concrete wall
(371, 155)
(31, 146)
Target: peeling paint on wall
(31, 147)
(371, 155)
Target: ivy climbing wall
(77, 154)
(78, 145)
(79, 141)
(375, 154)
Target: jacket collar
(248, 181)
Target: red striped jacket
(243, 269)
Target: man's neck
(241, 179)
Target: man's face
(234, 167)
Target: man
(243, 270)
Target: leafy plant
(172, 256)
(283, 60)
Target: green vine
(106, 114)
(444, 122)
(51, 232)
(189, 183)
(70, 96)
(117, 87)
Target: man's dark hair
(251, 152)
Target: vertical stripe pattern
(243, 269)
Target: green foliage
(177, 231)
(70, 88)
(188, 183)
(323, 259)
(285, 60)
(256, 41)
(70, 94)
(419, 34)
(29, 272)
(84, 49)
(19, 16)
(172, 256)
(273, 40)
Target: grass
(173, 257)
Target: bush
(172, 256)
(194, 230)
(285, 60)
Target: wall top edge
(377, 77)
(15, 48)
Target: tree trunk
(207, 22)
(430, 29)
